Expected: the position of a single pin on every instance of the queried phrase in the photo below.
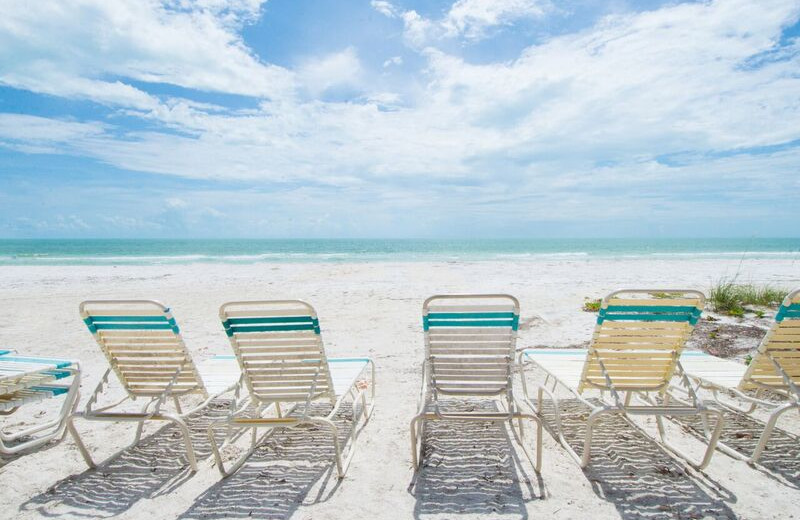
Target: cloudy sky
(479, 118)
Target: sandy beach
(374, 309)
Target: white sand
(372, 309)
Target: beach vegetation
(592, 305)
(665, 295)
(729, 297)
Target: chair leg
(417, 425)
(559, 432)
(364, 411)
(712, 439)
(254, 442)
(341, 467)
(218, 455)
(587, 441)
(767, 433)
(181, 424)
(79, 442)
(139, 427)
(535, 460)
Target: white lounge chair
(634, 351)
(774, 369)
(470, 343)
(144, 348)
(25, 380)
(279, 348)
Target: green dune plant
(728, 297)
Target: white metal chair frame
(151, 410)
(431, 389)
(57, 427)
(240, 420)
(621, 406)
(790, 394)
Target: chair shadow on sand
(154, 466)
(781, 456)
(290, 468)
(274, 481)
(635, 474)
(8, 459)
(474, 468)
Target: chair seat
(219, 374)
(345, 372)
(30, 395)
(20, 372)
(717, 371)
(566, 364)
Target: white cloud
(176, 202)
(417, 31)
(70, 49)
(23, 127)
(334, 70)
(641, 111)
(394, 60)
(469, 19)
(385, 8)
(472, 18)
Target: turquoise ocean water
(235, 251)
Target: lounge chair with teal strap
(279, 348)
(145, 350)
(774, 370)
(25, 380)
(634, 353)
(470, 343)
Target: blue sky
(467, 118)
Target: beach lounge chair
(634, 352)
(774, 369)
(279, 348)
(145, 350)
(25, 380)
(470, 343)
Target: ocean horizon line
(247, 251)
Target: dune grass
(729, 297)
(592, 305)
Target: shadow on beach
(473, 468)
(781, 456)
(154, 466)
(291, 468)
(632, 472)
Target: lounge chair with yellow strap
(774, 370)
(634, 353)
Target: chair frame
(791, 392)
(58, 427)
(622, 406)
(511, 408)
(282, 419)
(151, 410)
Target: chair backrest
(782, 343)
(639, 337)
(279, 348)
(470, 342)
(143, 345)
